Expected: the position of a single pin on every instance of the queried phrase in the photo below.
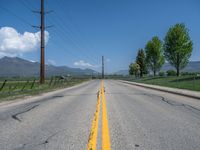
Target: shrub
(171, 73)
(161, 73)
(189, 73)
(185, 73)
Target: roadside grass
(182, 82)
(19, 89)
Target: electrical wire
(18, 17)
(70, 32)
(68, 37)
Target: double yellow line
(92, 142)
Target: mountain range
(15, 66)
(192, 66)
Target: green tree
(178, 47)
(154, 54)
(140, 60)
(134, 69)
(171, 73)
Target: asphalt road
(138, 118)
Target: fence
(11, 88)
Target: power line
(61, 47)
(24, 4)
(68, 37)
(18, 17)
(28, 5)
(77, 44)
(64, 38)
(64, 24)
(75, 25)
(60, 36)
(62, 27)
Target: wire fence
(31, 86)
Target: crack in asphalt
(172, 103)
(15, 115)
(49, 137)
(57, 96)
(46, 141)
(86, 94)
(20, 148)
(163, 99)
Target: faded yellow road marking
(92, 141)
(105, 128)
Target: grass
(19, 89)
(182, 82)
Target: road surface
(128, 117)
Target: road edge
(32, 98)
(181, 92)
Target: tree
(178, 47)
(171, 73)
(154, 54)
(134, 69)
(140, 60)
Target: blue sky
(85, 30)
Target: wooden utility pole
(42, 28)
(42, 45)
(102, 67)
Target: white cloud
(33, 61)
(51, 62)
(107, 60)
(13, 43)
(82, 63)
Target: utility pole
(42, 28)
(42, 55)
(102, 67)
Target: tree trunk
(177, 67)
(141, 73)
(154, 73)
(177, 71)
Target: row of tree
(176, 49)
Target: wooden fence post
(51, 81)
(25, 85)
(33, 84)
(4, 83)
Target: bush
(171, 73)
(189, 73)
(185, 73)
(161, 74)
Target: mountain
(192, 66)
(15, 66)
(122, 72)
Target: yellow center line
(92, 141)
(105, 128)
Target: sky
(84, 30)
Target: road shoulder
(182, 92)
(41, 96)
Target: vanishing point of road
(99, 115)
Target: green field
(16, 89)
(182, 82)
